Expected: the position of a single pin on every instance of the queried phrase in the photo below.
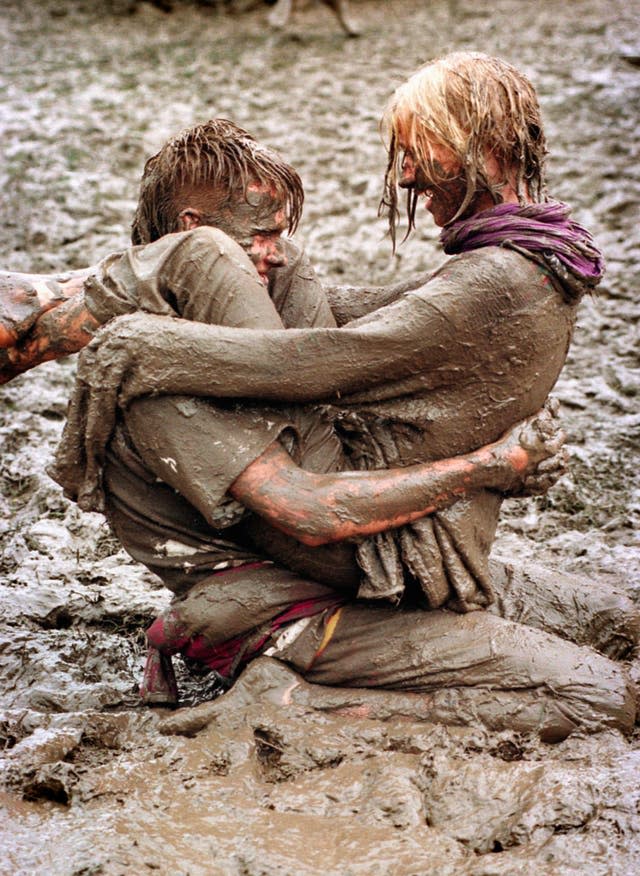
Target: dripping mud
(258, 781)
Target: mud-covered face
(257, 224)
(442, 183)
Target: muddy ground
(95, 784)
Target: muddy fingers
(533, 451)
(558, 462)
(547, 473)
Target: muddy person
(253, 195)
(443, 563)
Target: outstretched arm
(318, 509)
(419, 342)
(60, 331)
(298, 279)
(129, 356)
(351, 302)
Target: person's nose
(407, 170)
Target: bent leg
(475, 668)
(279, 16)
(571, 606)
(342, 14)
(224, 620)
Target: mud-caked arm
(41, 318)
(317, 509)
(352, 302)
(423, 341)
(414, 335)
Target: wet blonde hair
(220, 159)
(475, 106)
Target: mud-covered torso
(503, 332)
(171, 459)
(497, 331)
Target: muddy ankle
(159, 686)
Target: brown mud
(258, 782)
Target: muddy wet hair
(475, 106)
(219, 157)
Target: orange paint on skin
(361, 711)
(484, 456)
(518, 458)
(318, 509)
(8, 337)
(59, 324)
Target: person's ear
(189, 218)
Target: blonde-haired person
(466, 132)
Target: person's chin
(441, 216)
(438, 218)
(433, 210)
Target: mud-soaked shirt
(172, 459)
(488, 334)
(444, 369)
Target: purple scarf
(544, 229)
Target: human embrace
(317, 473)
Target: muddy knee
(573, 607)
(615, 625)
(570, 686)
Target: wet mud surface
(258, 781)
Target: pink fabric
(169, 636)
(542, 228)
